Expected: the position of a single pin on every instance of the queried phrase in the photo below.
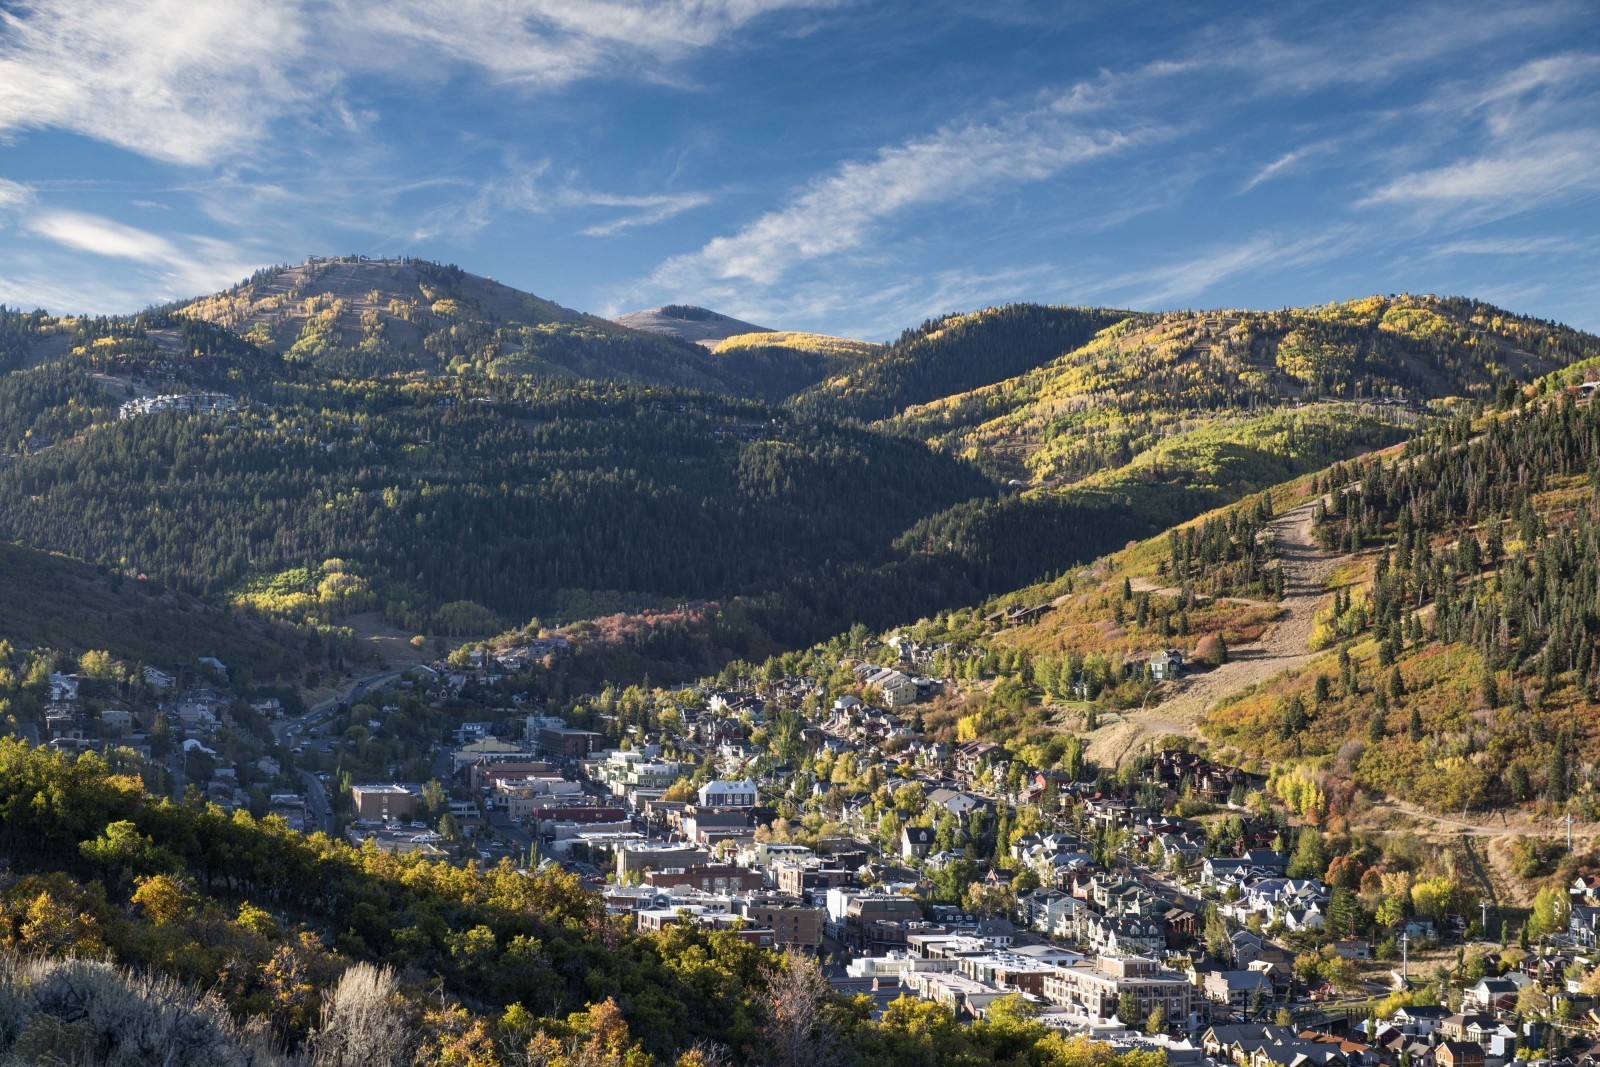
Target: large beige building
(1095, 990)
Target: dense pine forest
(504, 494)
(1465, 672)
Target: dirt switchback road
(1283, 647)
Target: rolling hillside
(1418, 626)
(953, 354)
(1161, 418)
(361, 317)
(1150, 379)
(393, 440)
(776, 365)
(501, 496)
(1457, 667)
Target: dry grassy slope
(1283, 647)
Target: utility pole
(1569, 831)
(1484, 926)
(1405, 959)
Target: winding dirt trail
(1283, 647)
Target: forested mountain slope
(496, 486)
(1161, 418)
(954, 354)
(514, 495)
(64, 604)
(1460, 668)
(1150, 379)
(1420, 624)
(777, 364)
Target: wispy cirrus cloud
(180, 82)
(181, 264)
(1510, 246)
(1288, 163)
(1525, 174)
(646, 210)
(551, 43)
(533, 188)
(1540, 143)
(845, 221)
(1190, 277)
(843, 210)
(13, 197)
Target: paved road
(302, 726)
(317, 714)
(317, 806)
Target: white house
(1166, 665)
(157, 678)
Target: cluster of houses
(200, 713)
(1099, 945)
(186, 403)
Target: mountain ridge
(388, 453)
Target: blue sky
(847, 167)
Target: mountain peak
(686, 322)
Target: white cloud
(1510, 246)
(1520, 175)
(65, 292)
(550, 43)
(194, 83)
(1288, 163)
(1154, 288)
(14, 194)
(15, 198)
(648, 210)
(1540, 142)
(103, 237)
(181, 265)
(1365, 49)
(1536, 90)
(169, 79)
(843, 210)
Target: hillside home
(1166, 665)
